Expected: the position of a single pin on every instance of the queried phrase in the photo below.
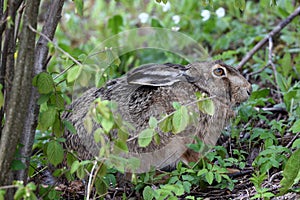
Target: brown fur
(142, 94)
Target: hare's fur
(150, 91)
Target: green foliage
(55, 152)
(291, 172)
(79, 6)
(205, 105)
(273, 156)
(257, 180)
(44, 83)
(74, 73)
(25, 192)
(180, 119)
(145, 137)
(2, 194)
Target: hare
(150, 90)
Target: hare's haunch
(150, 90)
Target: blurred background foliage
(226, 29)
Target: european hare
(149, 91)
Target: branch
(276, 30)
(57, 47)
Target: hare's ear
(157, 74)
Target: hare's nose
(249, 89)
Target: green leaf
(107, 124)
(263, 93)
(98, 134)
(88, 124)
(17, 165)
(166, 124)
(121, 145)
(80, 173)
(70, 159)
(209, 177)
(74, 73)
(148, 193)
(20, 193)
(2, 194)
(115, 23)
(145, 137)
(44, 83)
(47, 118)
(43, 99)
(74, 167)
(84, 78)
(180, 119)
(207, 106)
(282, 83)
(296, 127)
(156, 138)
(79, 7)
(55, 153)
(152, 122)
(187, 186)
(156, 23)
(296, 143)
(58, 101)
(69, 126)
(241, 4)
(101, 187)
(291, 172)
(201, 172)
(57, 127)
(286, 65)
(176, 105)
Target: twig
(8, 187)
(56, 46)
(270, 62)
(292, 140)
(89, 186)
(64, 71)
(274, 175)
(276, 30)
(256, 72)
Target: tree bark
(20, 93)
(41, 53)
(9, 48)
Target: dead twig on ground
(276, 30)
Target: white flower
(220, 12)
(166, 6)
(205, 14)
(67, 16)
(175, 28)
(176, 19)
(143, 17)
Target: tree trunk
(20, 93)
(41, 53)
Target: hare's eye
(219, 71)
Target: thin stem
(56, 46)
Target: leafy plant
(262, 192)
